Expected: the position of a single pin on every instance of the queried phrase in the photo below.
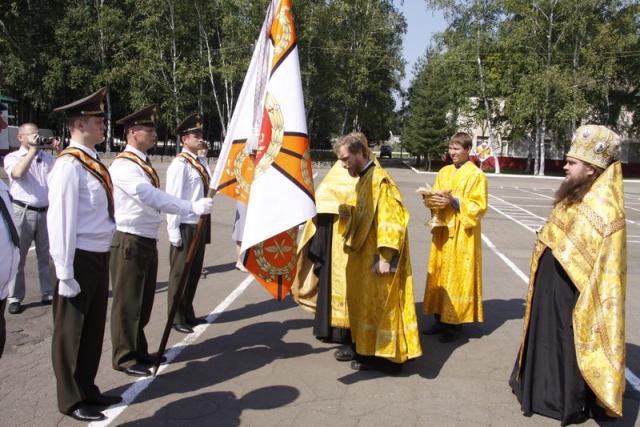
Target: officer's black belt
(31, 208)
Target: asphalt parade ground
(257, 364)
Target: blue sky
(421, 24)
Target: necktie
(10, 225)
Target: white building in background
(554, 150)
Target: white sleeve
(9, 163)
(64, 184)
(174, 187)
(134, 182)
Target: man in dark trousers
(572, 356)
(81, 225)
(187, 179)
(139, 202)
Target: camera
(43, 140)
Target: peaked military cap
(192, 124)
(92, 105)
(144, 117)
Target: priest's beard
(572, 190)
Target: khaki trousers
(134, 268)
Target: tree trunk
(486, 101)
(543, 134)
(205, 37)
(536, 156)
(103, 62)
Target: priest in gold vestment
(572, 355)
(320, 284)
(379, 282)
(454, 280)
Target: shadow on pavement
(225, 357)
(161, 287)
(255, 310)
(436, 354)
(496, 313)
(220, 268)
(220, 408)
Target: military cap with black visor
(92, 105)
(192, 124)
(145, 117)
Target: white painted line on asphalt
(504, 258)
(515, 213)
(633, 380)
(510, 217)
(536, 194)
(130, 394)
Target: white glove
(202, 206)
(175, 238)
(68, 288)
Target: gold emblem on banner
(276, 120)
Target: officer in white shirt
(81, 226)
(9, 243)
(28, 169)
(134, 255)
(188, 179)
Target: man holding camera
(28, 169)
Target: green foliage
(192, 56)
(548, 65)
(428, 125)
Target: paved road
(257, 364)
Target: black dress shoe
(197, 321)
(345, 354)
(15, 308)
(46, 300)
(104, 400)
(137, 370)
(86, 413)
(151, 359)
(182, 328)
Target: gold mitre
(596, 145)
